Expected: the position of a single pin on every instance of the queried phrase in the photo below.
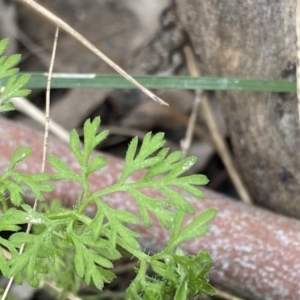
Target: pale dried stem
(219, 142)
(70, 30)
(46, 282)
(58, 290)
(45, 142)
(183, 119)
(186, 142)
(47, 109)
(27, 108)
(226, 296)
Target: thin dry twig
(63, 25)
(226, 296)
(184, 120)
(186, 142)
(27, 108)
(29, 226)
(46, 282)
(47, 109)
(58, 290)
(216, 135)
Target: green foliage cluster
(94, 243)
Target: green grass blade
(65, 80)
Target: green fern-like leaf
(164, 173)
(93, 242)
(11, 84)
